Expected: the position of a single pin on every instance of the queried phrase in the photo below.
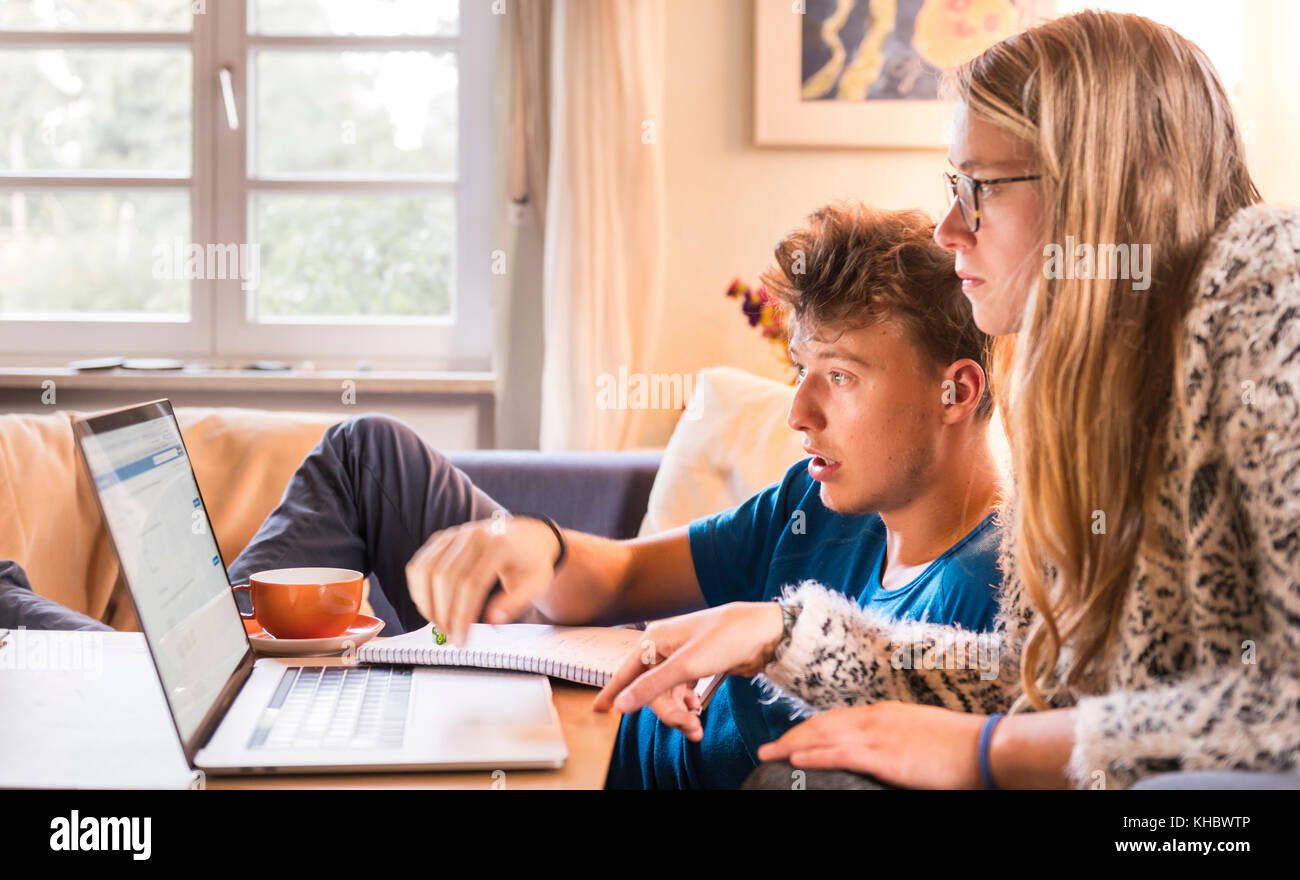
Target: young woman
(1150, 616)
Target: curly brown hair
(852, 266)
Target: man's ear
(962, 387)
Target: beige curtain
(529, 41)
(603, 262)
(524, 76)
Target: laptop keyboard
(331, 707)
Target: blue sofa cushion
(602, 493)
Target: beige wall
(1270, 76)
(729, 201)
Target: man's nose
(805, 413)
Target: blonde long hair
(1137, 144)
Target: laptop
(237, 713)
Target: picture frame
(783, 117)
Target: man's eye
(987, 190)
(836, 376)
(799, 372)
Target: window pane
(359, 256)
(95, 110)
(70, 252)
(371, 113)
(356, 17)
(95, 15)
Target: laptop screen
(151, 505)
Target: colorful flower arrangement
(762, 310)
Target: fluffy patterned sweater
(1205, 673)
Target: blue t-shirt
(781, 536)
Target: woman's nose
(952, 231)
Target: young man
(894, 507)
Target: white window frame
(220, 188)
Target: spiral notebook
(583, 654)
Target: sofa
(243, 458)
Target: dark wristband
(789, 617)
(559, 536)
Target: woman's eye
(987, 190)
(836, 376)
(799, 372)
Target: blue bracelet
(986, 734)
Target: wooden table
(102, 722)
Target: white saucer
(363, 629)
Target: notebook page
(597, 649)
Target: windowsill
(199, 378)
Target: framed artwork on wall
(865, 73)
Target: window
(285, 179)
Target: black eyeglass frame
(976, 183)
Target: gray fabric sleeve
(21, 607)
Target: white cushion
(731, 442)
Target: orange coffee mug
(304, 603)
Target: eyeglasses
(966, 190)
